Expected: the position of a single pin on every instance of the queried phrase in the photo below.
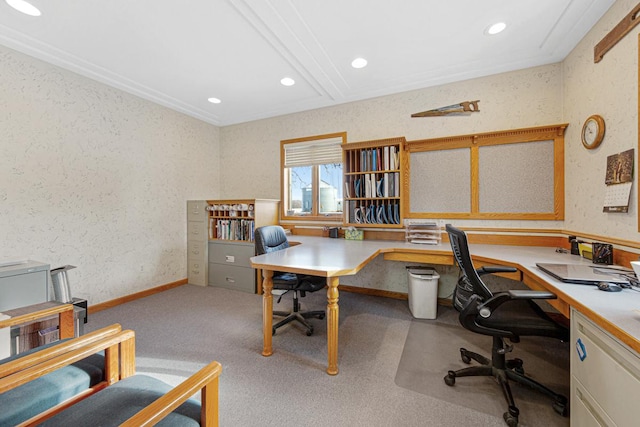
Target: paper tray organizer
(423, 231)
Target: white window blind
(311, 153)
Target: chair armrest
(34, 312)
(40, 356)
(501, 297)
(118, 348)
(205, 380)
(526, 294)
(493, 270)
(477, 308)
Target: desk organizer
(423, 231)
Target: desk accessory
(602, 253)
(353, 233)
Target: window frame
(315, 214)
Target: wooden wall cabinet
(373, 178)
(231, 226)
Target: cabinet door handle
(230, 279)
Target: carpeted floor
(180, 330)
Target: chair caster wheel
(309, 332)
(464, 356)
(511, 416)
(560, 406)
(450, 378)
(510, 420)
(519, 370)
(321, 317)
(273, 331)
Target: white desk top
(617, 312)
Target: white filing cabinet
(605, 377)
(23, 284)
(197, 239)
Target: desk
(331, 258)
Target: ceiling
(180, 53)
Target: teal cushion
(45, 392)
(120, 401)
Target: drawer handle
(196, 271)
(195, 252)
(230, 258)
(230, 279)
(196, 265)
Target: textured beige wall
(97, 178)
(530, 97)
(608, 88)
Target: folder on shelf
(396, 184)
(385, 192)
(380, 187)
(386, 158)
(392, 157)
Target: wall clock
(593, 131)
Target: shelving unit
(231, 233)
(373, 181)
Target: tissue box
(353, 234)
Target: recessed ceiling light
(214, 100)
(24, 7)
(287, 81)
(495, 28)
(359, 63)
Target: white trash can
(423, 292)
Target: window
(312, 176)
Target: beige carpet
(432, 348)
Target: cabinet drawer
(236, 254)
(196, 210)
(232, 277)
(608, 372)
(584, 411)
(196, 250)
(197, 272)
(197, 231)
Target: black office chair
(272, 238)
(510, 314)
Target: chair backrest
(270, 238)
(469, 282)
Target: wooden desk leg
(267, 312)
(332, 325)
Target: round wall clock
(593, 131)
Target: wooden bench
(119, 398)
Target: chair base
(299, 317)
(504, 370)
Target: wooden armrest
(122, 342)
(205, 380)
(40, 311)
(33, 312)
(36, 357)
